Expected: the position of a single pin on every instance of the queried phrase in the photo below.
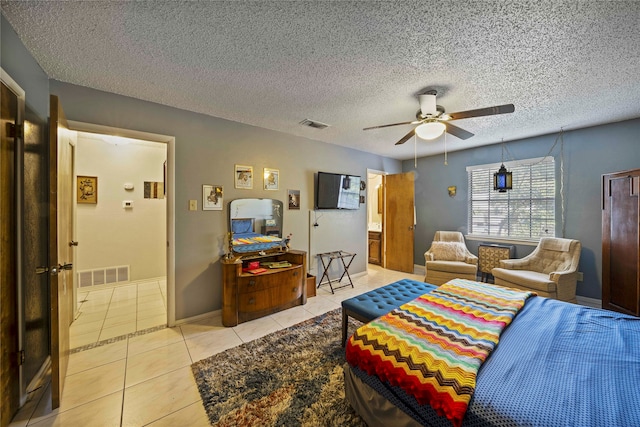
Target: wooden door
(9, 353)
(60, 250)
(399, 221)
(621, 242)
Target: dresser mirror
(261, 216)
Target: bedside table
(489, 256)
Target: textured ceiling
(564, 64)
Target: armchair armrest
(562, 277)
(428, 256)
(471, 259)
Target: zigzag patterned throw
(433, 346)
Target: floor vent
(314, 124)
(103, 276)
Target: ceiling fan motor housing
(428, 104)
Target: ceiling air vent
(314, 124)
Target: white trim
(215, 313)
(481, 238)
(170, 188)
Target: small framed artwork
(294, 199)
(87, 188)
(271, 179)
(243, 176)
(212, 197)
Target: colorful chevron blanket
(433, 346)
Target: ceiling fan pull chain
(445, 149)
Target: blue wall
(588, 154)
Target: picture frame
(87, 189)
(243, 177)
(293, 196)
(212, 197)
(271, 179)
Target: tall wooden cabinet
(247, 296)
(621, 242)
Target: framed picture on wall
(87, 189)
(294, 199)
(271, 179)
(212, 197)
(243, 176)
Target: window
(526, 212)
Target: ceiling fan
(433, 121)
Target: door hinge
(21, 357)
(15, 131)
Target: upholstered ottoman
(377, 302)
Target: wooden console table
(330, 256)
(247, 296)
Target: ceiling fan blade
(489, 111)
(458, 132)
(406, 137)
(414, 122)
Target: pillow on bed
(448, 251)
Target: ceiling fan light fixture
(430, 130)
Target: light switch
(193, 205)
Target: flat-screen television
(337, 191)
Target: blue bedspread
(557, 364)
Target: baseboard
(198, 317)
(419, 269)
(589, 302)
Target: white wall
(108, 234)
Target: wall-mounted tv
(337, 191)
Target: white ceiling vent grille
(314, 124)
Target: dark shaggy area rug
(292, 377)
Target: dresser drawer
(258, 282)
(267, 298)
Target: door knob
(56, 269)
(73, 243)
(41, 270)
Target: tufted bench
(377, 302)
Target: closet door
(621, 242)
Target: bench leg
(345, 326)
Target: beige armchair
(448, 258)
(551, 270)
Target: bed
(246, 240)
(556, 364)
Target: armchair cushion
(448, 251)
(452, 267)
(527, 279)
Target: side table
(345, 257)
(489, 256)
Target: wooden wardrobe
(621, 242)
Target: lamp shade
(502, 180)
(430, 130)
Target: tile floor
(145, 379)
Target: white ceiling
(351, 64)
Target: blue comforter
(557, 364)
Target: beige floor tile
(97, 356)
(193, 415)
(158, 397)
(92, 384)
(77, 328)
(114, 321)
(121, 311)
(292, 316)
(116, 331)
(88, 316)
(143, 314)
(103, 412)
(150, 305)
(149, 297)
(159, 361)
(320, 305)
(153, 340)
(209, 343)
(258, 328)
(76, 341)
(201, 326)
(150, 322)
(128, 303)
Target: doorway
(375, 217)
(121, 274)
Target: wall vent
(314, 124)
(103, 276)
